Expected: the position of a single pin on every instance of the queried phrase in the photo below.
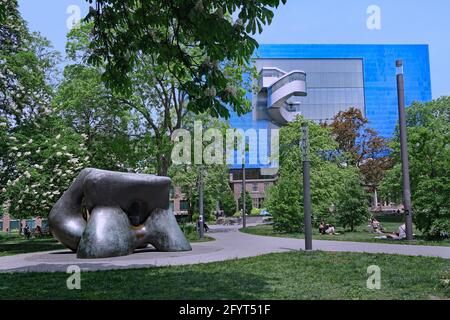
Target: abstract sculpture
(107, 214)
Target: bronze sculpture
(107, 214)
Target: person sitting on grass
(400, 235)
(376, 226)
(322, 227)
(330, 230)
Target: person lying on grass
(327, 229)
(400, 235)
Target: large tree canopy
(157, 98)
(168, 30)
(285, 199)
(27, 68)
(429, 154)
(361, 146)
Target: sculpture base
(107, 234)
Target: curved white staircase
(280, 87)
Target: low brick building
(255, 184)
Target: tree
(215, 177)
(285, 198)
(352, 205)
(91, 109)
(43, 158)
(27, 67)
(362, 146)
(428, 127)
(228, 203)
(248, 203)
(168, 31)
(215, 186)
(377, 159)
(157, 98)
(347, 127)
(27, 73)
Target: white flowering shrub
(43, 158)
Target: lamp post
(200, 204)
(244, 218)
(404, 151)
(306, 187)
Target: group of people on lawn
(378, 229)
(26, 231)
(329, 229)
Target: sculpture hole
(84, 210)
(136, 212)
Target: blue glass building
(337, 77)
(378, 73)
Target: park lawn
(292, 275)
(361, 234)
(193, 238)
(12, 244)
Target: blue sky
(312, 21)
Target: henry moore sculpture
(108, 214)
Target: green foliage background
(428, 127)
(328, 176)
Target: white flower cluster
(31, 189)
(211, 92)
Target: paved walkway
(230, 244)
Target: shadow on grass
(153, 284)
(292, 275)
(18, 245)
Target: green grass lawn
(292, 275)
(12, 244)
(194, 237)
(361, 234)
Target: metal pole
(201, 216)
(306, 188)
(244, 218)
(404, 151)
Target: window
(261, 203)
(184, 205)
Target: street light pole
(404, 151)
(244, 218)
(201, 216)
(306, 187)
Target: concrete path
(230, 244)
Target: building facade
(318, 81)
